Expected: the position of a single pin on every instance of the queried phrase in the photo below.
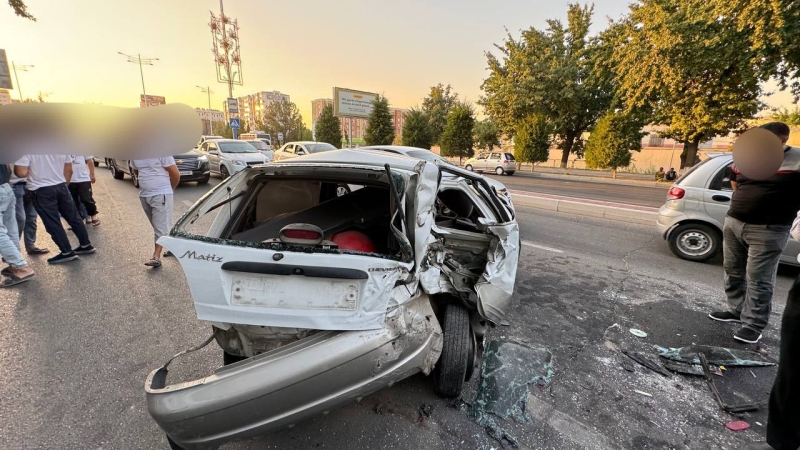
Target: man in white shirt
(47, 182)
(81, 186)
(26, 216)
(158, 177)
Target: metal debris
(643, 393)
(718, 356)
(643, 360)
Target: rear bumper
(296, 381)
(668, 219)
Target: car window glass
(482, 156)
(722, 179)
(495, 156)
(299, 150)
(289, 149)
(212, 146)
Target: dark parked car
(192, 165)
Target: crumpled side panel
(496, 285)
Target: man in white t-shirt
(81, 186)
(158, 177)
(47, 183)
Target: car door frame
(480, 164)
(213, 160)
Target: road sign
(5, 75)
(234, 123)
(233, 106)
(280, 137)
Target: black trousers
(783, 429)
(82, 193)
(52, 203)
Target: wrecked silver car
(328, 277)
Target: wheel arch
(691, 221)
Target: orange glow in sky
(300, 48)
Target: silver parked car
(499, 162)
(692, 218)
(292, 150)
(318, 298)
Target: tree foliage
(380, 126)
(21, 9)
(328, 128)
(532, 139)
(457, 138)
(693, 74)
(437, 106)
(283, 117)
(417, 130)
(613, 139)
(487, 135)
(788, 117)
(222, 129)
(306, 135)
(549, 73)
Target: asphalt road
(618, 193)
(78, 342)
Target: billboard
(5, 75)
(350, 103)
(150, 100)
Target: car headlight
(203, 159)
(238, 162)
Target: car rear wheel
(458, 350)
(499, 171)
(173, 445)
(695, 242)
(116, 173)
(468, 167)
(223, 172)
(204, 180)
(96, 163)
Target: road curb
(613, 211)
(593, 179)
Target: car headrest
(458, 202)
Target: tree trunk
(567, 150)
(614, 173)
(691, 153)
(532, 166)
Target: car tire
(223, 172)
(204, 180)
(695, 242)
(457, 352)
(468, 167)
(134, 178)
(108, 163)
(173, 445)
(229, 358)
(509, 173)
(96, 163)
(499, 171)
(115, 172)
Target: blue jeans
(52, 203)
(26, 215)
(9, 236)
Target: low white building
(210, 118)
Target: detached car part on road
(692, 218)
(325, 296)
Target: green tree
(788, 117)
(613, 139)
(533, 139)
(306, 135)
(694, 75)
(283, 117)
(437, 106)
(417, 129)
(486, 135)
(328, 128)
(21, 9)
(380, 126)
(222, 129)
(457, 138)
(550, 73)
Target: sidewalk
(641, 215)
(592, 176)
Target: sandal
(6, 272)
(95, 222)
(152, 262)
(12, 280)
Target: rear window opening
(455, 210)
(352, 218)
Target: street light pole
(207, 90)
(137, 59)
(23, 68)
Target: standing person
(783, 425)
(671, 175)
(18, 270)
(81, 187)
(755, 232)
(158, 177)
(26, 216)
(47, 182)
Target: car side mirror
(213, 152)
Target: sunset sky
(301, 48)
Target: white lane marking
(541, 247)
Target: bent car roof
(354, 157)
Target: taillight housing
(676, 193)
(505, 161)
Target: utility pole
(137, 59)
(207, 90)
(225, 37)
(23, 68)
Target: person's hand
(93, 179)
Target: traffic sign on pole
(234, 123)
(280, 138)
(233, 106)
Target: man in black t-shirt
(755, 233)
(671, 175)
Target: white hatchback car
(692, 218)
(294, 149)
(228, 156)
